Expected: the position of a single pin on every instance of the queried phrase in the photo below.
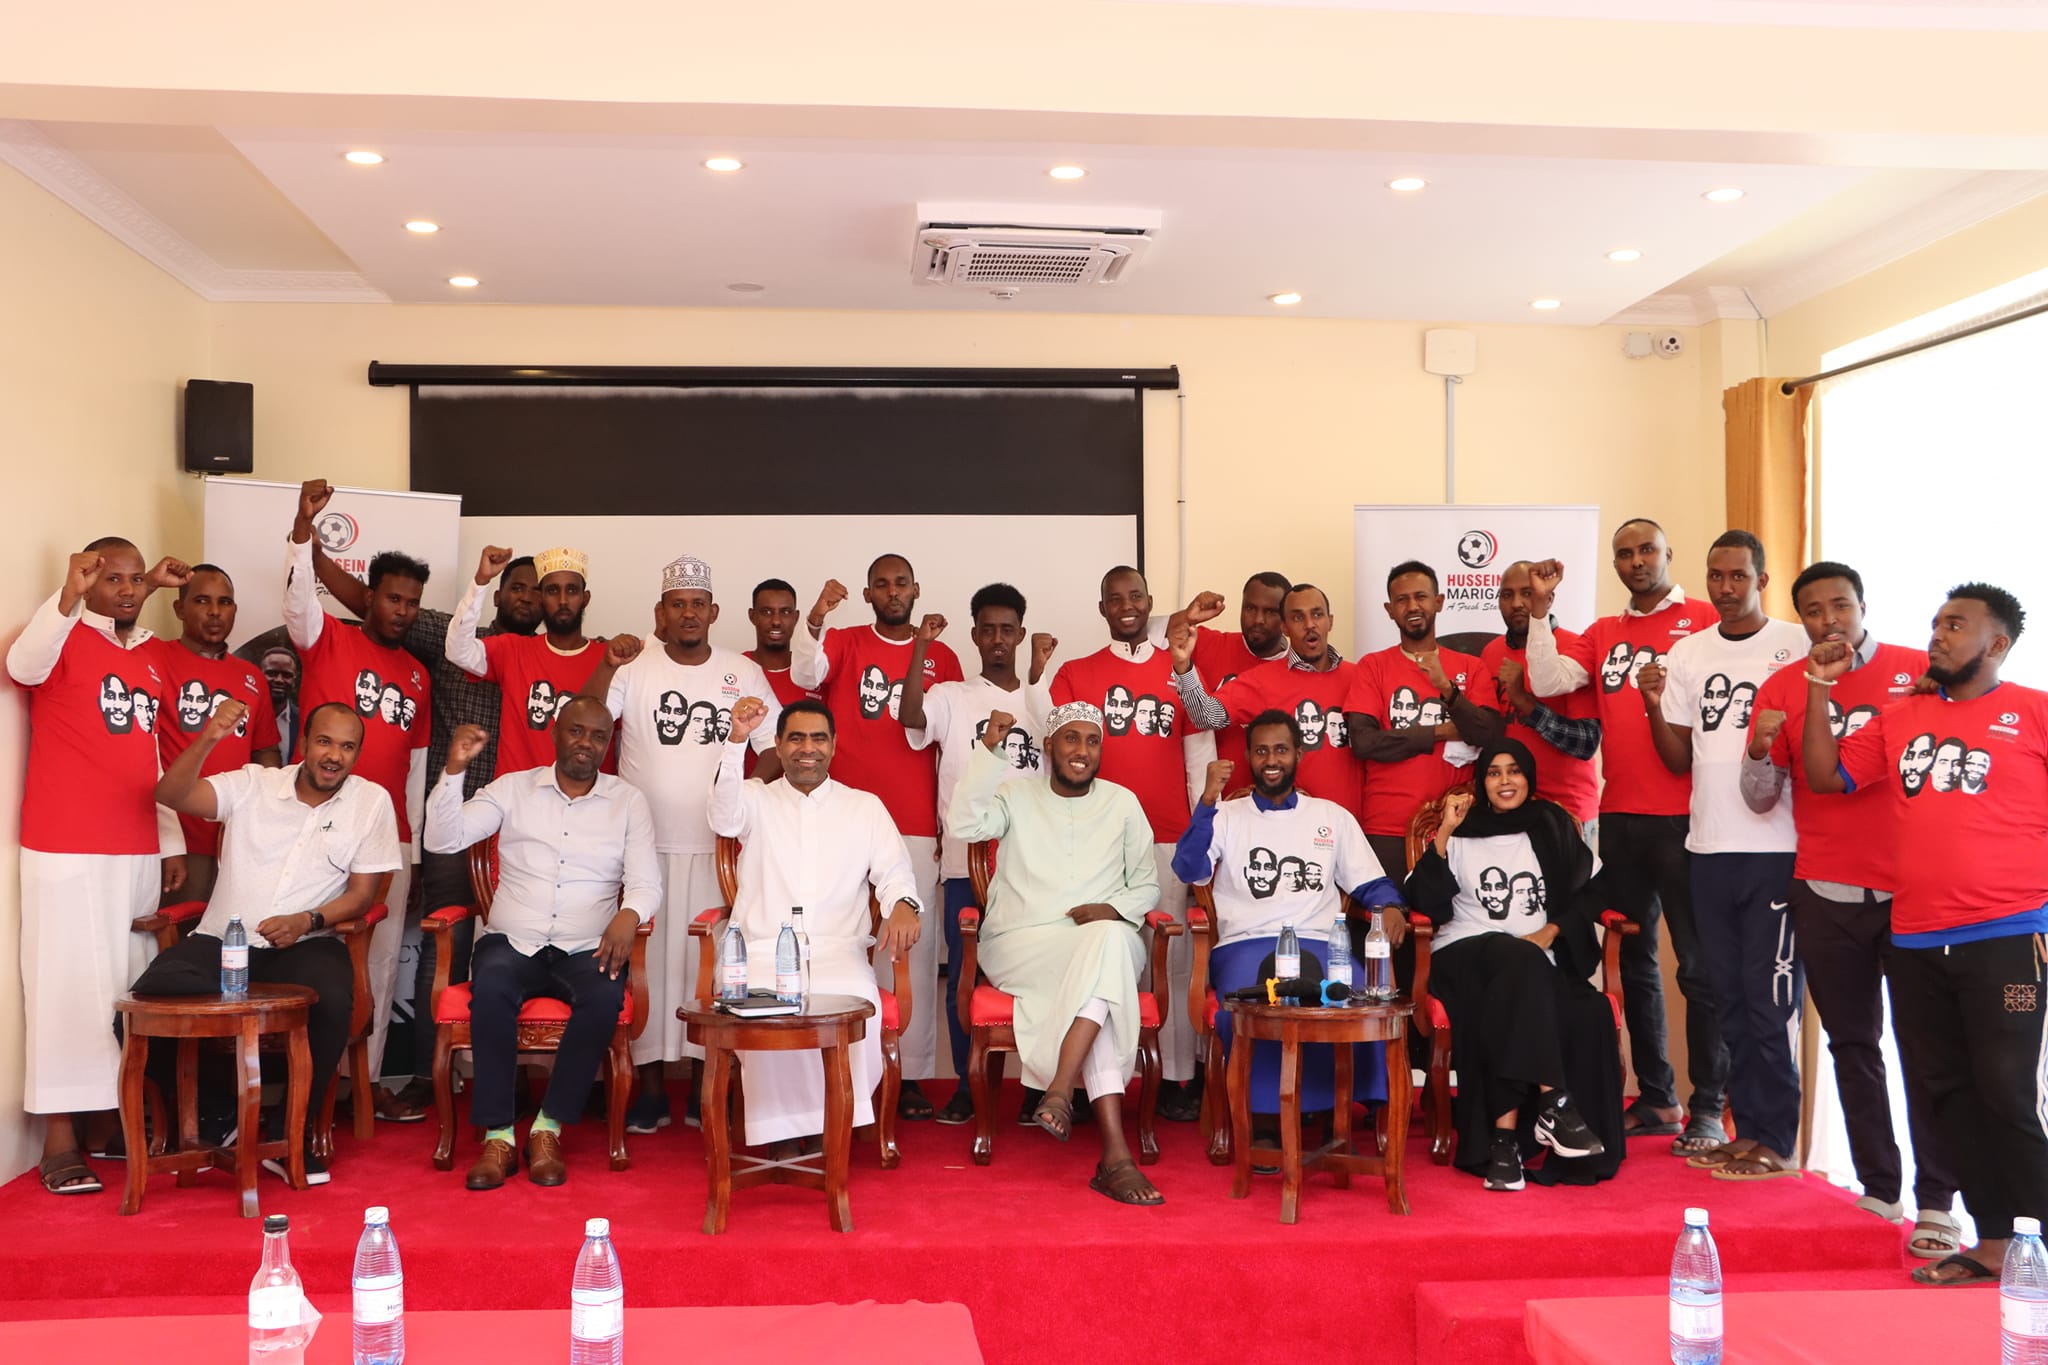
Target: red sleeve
(1580, 650)
(1063, 685)
(495, 647)
(835, 647)
(1862, 754)
(949, 667)
(263, 720)
(1240, 699)
(1368, 694)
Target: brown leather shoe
(544, 1164)
(494, 1166)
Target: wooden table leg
(1340, 1111)
(1240, 1112)
(188, 1105)
(1290, 1126)
(838, 1134)
(297, 1096)
(249, 1084)
(134, 1054)
(1399, 1086)
(717, 1125)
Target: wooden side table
(188, 1018)
(829, 1026)
(1291, 1026)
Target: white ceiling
(1985, 15)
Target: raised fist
(170, 573)
(492, 563)
(1762, 730)
(1207, 606)
(1456, 807)
(1217, 781)
(931, 627)
(999, 725)
(82, 572)
(1433, 668)
(1650, 680)
(223, 721)
(747, 715)
(829, 597)
(1042, 647)
(621, 650)
(1830, 659)
(465, 744)
(314, 495)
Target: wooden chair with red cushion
(541, 1020)
(1433, 1023)
(990, 1017)
(894, 1012)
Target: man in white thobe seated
(1075, 879)
(807, 840)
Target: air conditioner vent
(998, 251)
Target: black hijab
(1566, 861)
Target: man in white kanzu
(955, 716)
(650, 692)
(810, 841)
(1076, 876)
(1699, 704)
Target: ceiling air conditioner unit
(996, 246)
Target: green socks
(543, 1124)
(503, 1135)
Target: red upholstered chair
(990, 1014)
(893, 1015)
(540, 1020)
(1430, 1020)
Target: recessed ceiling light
(1726, 195)
(745, 288)
(1625, 255)
(724, 163)
(1284, 300)
(1546, 305)
(1407, 184)
(363, 158)
(1067, 172)
(422, 226)
(463, 281)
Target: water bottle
(803, 953)
(789, 973)
(279, 1325)
(379, 1293)
(732, 964)
(1287, 956)
(1695, 1295)
(2023, 1297)
(1339, 968)
(597, 1303)
(1379, 961)
(234, 960)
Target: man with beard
(1410, 761)
(1312, 679)
(561, 658)
(1742, 861)
(1562, 734)
(1843, 877)
(947, 714)
(280, 665)
(199, 669)
(773, 615)
(577, 877)
(1972, 900)
(334, 656)
(1156, 769)
(644, 690)
(96, 850)
(311, 842)
(1231, 845)
(1222, 655)
(1643, 823)
(875, 754)
(1075, 877)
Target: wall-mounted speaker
(219, 424)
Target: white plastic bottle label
(789, 984)
(380, 1299)
(273, 1307)
(1695, 1321)
(1378, 947)
(234, 959)
(597, 1314)
(2025, 1318)
(736, 976)
(1287, 966)
(1340, 972)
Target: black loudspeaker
(219, 420)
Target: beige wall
(95, 346)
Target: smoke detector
(999, 246)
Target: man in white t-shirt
(1698, 704)
(653, 693)
(954, 715)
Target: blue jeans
(959, 893)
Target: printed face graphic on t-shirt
(368, 688)
(1145, 715)
(1714, 698)
(145, 711)
(1614, 668)
(702, 725)
(1493, 892)
(1166, 715)
(1433, 714)
(1261, 873)
(1311, 876)
(1976, 770)
(896, 700)
(1309, 717)
(391, 705)
(874, 692)
(193, 706)
(1914, 763)
(117, 705)
(1642, 656)
(1291, 874)
(1336, 729)
(1017, 748)
(1117, 709)
(1845, 726)
(1742, 701)
(1525, 896)
(670, 713)
(1947, 773)
(213, 704)
(408, 708)
(724, 725)
(540, 705)
(1404, 710)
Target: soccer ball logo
(1476, 549)
(337, 531)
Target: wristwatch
(319, 921)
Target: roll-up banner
(1469, 547)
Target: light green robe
(1059, 852)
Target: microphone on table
(1301, 990)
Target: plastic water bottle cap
(276, 1222)
(377, 1214)
(1695, 1218)
(598, 1227)
(2029, 1227)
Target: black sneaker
(1504, 1168)
(1031, 1099)
(649, 1112)
(1180, 1101)
(957, 1110)
(1559, 1127)
(316, 1169)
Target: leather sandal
(67, 1173)
(1126, 1184)
(1055, 1114)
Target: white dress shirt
(561, 859)
(280, 856)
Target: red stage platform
(1024, 1244)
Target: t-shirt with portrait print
(673, 723)
(535, 681)
(864, 687)
(1221, 655)
(195, 686)
(1143, 732)
(1326, 767)
(1501, 889)
(956, 719)
(1289, 866)
(1613, 650)
(92, 755)
(1392, 688)
(1969, 785)
(1570, 782)
(1710, 687)
(387, 687)
(786, 692)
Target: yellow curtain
(1766, 448)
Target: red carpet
(1023, 1243)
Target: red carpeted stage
(1050, 1270)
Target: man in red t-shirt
(773, 615)
(96, 849)
(366, 668)
(1645, 816)
(1562, 734)
(1144, 749)
(859, 670)
(536, 674)
(1221, 655)
(1971, 839)
(200, 674)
